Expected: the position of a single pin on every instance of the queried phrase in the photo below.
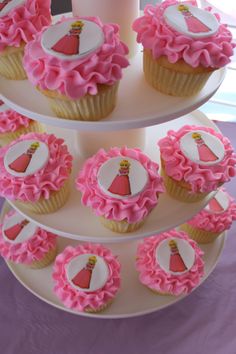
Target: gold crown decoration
(183, 7)
(93, 259)
(77, 24)
(35, 145)
(196, 135)
(173, 244)
(124, 163)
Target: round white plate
(80, 223)
(133, 299)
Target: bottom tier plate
(132, 300)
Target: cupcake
(13, 124)
(170, 263)
(214, 219)
(86, 277)
(183, 45)
(35, 171)
(20, 20)
(195, 161)
(77, 64)
(121, 186)
(22, 242)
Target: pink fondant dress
(204, 152)
(13, 231)
(4, 3)
(121, 184)
(69, 44)
(176, 262)
(22, 162)
(214, 205)
(83, 278)
(194, 24)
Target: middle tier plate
(78, 222)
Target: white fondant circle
(91, 38)
(212, 146)
(38, 161)
(108, 172)
(223, 200)
(100, 272)
(3, 107)
(10, 6)
(176, 20)
(163, 255)
(25, 234)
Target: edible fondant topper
(218, 204)
(17, 229)
(3, 107)
(72, 39)
(87, 272)
(7, 5)
(26, 157)
(202, 148)
(175, 256)
(122, 177)
(191, 20)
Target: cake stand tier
(138, 105)
(133, 299)
(78, 222)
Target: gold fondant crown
(93, 259)
(182, 7)
(77, 24)
(196, 135)
(34, 145)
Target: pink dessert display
(20, 20)
(35, 171)
(213, 220)
(77, 63)
(87, 277)
(22, 242)
(183, 45)
(13, 124)
(196, 160)
(170, 263)
(121, 186)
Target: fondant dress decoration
(204, 152)
(13, 231)
(194, 25)
(215, 206)
(83, 278)
(69, 44)
(4, 3)
(121, 183)
(176, 261)
(22, 162)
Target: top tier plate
(138, 105)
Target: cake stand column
(122, 12)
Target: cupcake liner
(11, 63)
(46, 206)
(45, 261)
(121, 226)
(35, 127)
(198, 235)
(87, 108)
(170, 81)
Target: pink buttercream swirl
(132, 209)
(10, 121)
(76, 78)
(153, 276)
(23, 22)
(215, 222)
(34, 249)
(201, 178)
(48, 179)
(77, 299)
(156, 35)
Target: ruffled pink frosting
(154, 277)
(201, 178)
(77, 78)
(77, 299)
(10, 121)
(132, 209)
(155, 34)
(217, 222)
(34, 249)
(48, 179)
(21, 23)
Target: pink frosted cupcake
(86, 277)
(77, 63)
(13, 124)
(121, 186)
(170, 263)
(35, 171)
(22, 242)
(195, 161)
(183, 45)
(214, 219)
(20, 20)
